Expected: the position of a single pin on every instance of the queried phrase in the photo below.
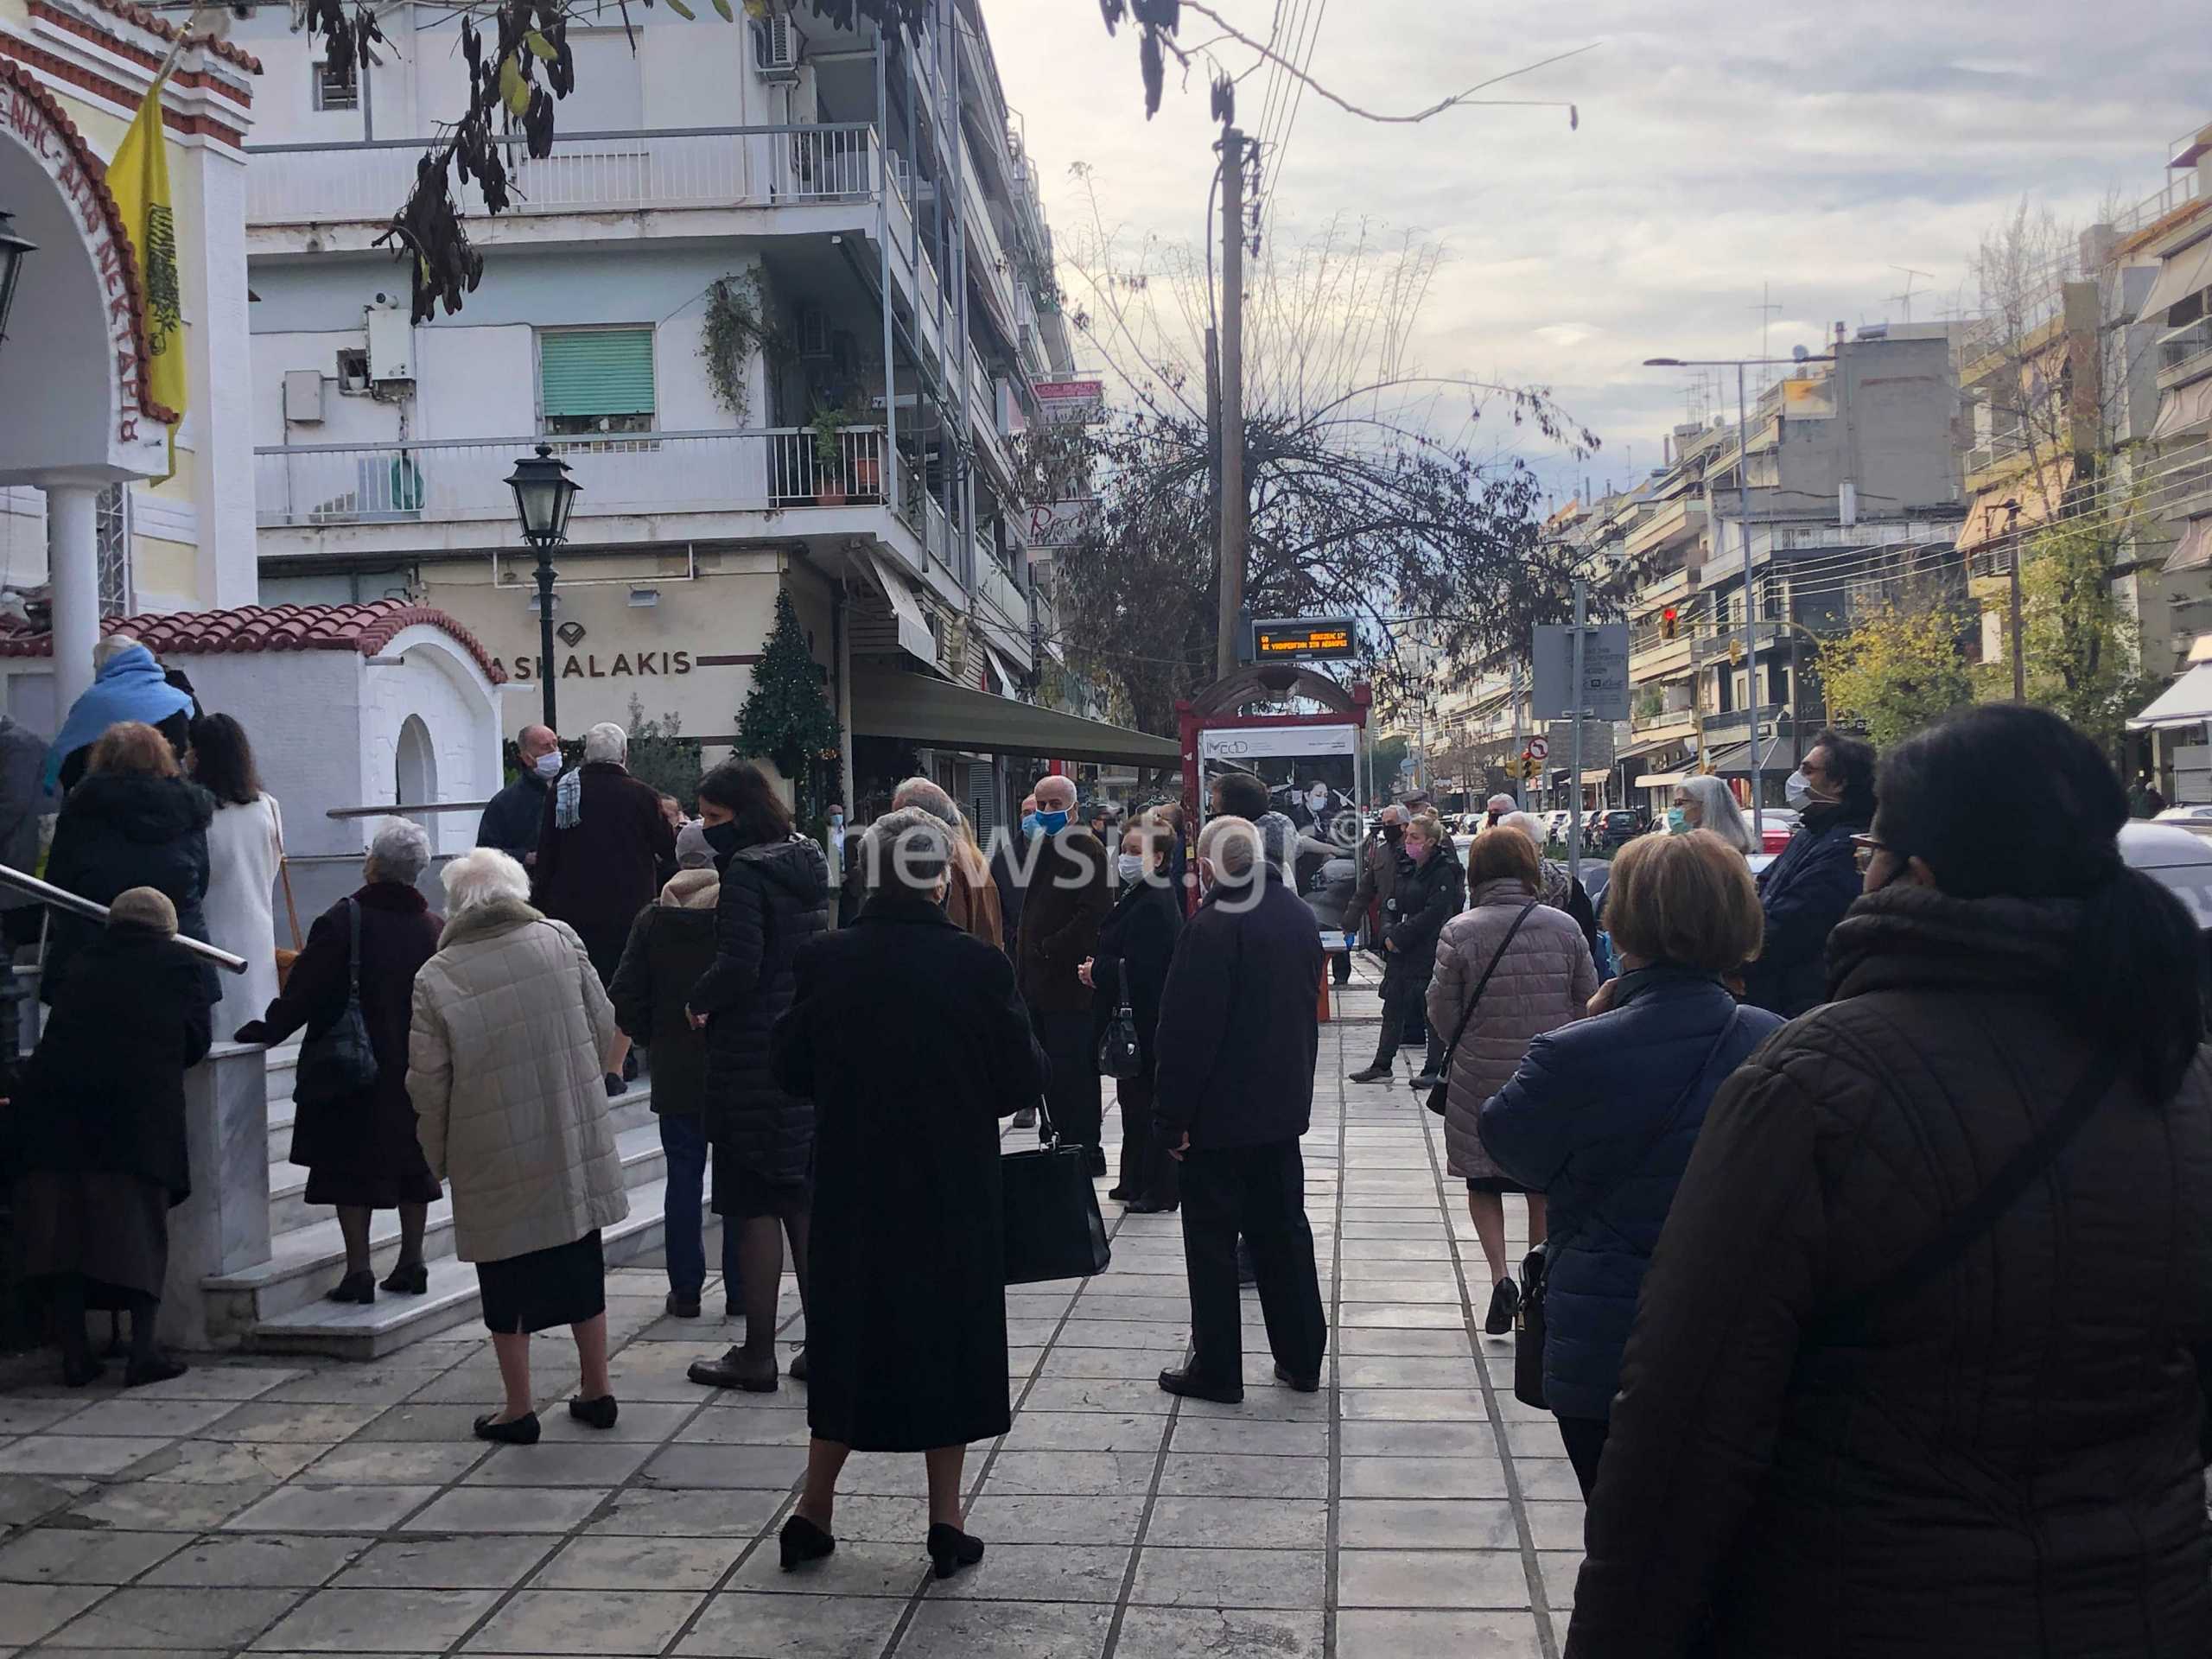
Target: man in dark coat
(1430, 890)
(600, 845)
(97, 1127)
(671, 946)
(1070, 891)
(514, 817)
(907, 1343)
(1136, 942)
(1239, 1031)
(1814, 879)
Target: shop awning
(1598, 776)
(1663, 779)
(919, 709)
(2181, 275)
(2184, 407)
(914, 636)
(2193, 550)
(2187, 702)
(1735, 760)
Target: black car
(1619, 825)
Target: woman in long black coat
(907, 1308)
(97, 1130)
(360, 1150)
(1136, 942)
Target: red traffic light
(1667, 623)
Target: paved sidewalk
(287, 1507)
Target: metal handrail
(77, 904)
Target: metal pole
(1750, 608)
(1233, 504)
(1575, 742)
(2019, 657)
(883, 154)
(1515, 693)
(77, 904)
(545, 637)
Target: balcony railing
(588, 172)
(2185, 356)
(1644, 720)
(456, 480)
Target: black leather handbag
(1120, 1054)
(1051, 1225)
(340, 1063)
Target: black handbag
(340, 1063)
(1049, 1221)
(1439, 1096)
(1120, 1054)
(1529, 1325)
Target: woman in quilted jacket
(506, 1048)
(1541, 976)
(1916, 1370)
(775, 897)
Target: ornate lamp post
(544, 494)
(13, 248)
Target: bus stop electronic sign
(1310, 638)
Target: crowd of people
(1867, 1197)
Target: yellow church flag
(138, 178)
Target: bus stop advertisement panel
(1315, 772)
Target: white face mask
(1130, 866)
(547, 765)
(1798, 792)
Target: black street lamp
(544, 494)
(12, 250)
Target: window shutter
(592, 371)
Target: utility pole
(1574, 743)
(1231, 428)
(2019, 656)
(1520, 789)
(1751, 610)
(1213, 423)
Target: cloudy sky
(1805, 147)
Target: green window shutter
(593, 372)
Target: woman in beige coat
(509, 1039)
(1542, 979)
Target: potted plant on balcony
(828, 456)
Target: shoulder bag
(339, 1063)
(1528, 1324)
(285, 958)
(1052, 1228)
(1439, 1096)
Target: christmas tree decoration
(785, 716)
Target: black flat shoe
(1373, 1074)
(160, 1368)
(355, 1288)
(1504, 1302)
(1192, 1386)
(1118, 1194)
(595, 1414)
(516, 1431)
(682, 1307)
(951, 1549)
(801, 1542)
(410, 1280)
(1145, 1207)
(733, 1370)
(798, 1371)
(1095, 1161)
(1290, 1379)
(615, 1087)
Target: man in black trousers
(1239, 1031)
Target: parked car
(1617, 826)
(1778, 824)
(2194, 820)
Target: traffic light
(1668, 623)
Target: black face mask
(722, 837)
(1394, 833)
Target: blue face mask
(1677, 821)
(1029, 823)
(1052, 823)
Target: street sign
(1539, 748)
(1603, 691)
(1061, 523)
(1318, 639)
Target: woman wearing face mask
(1135, 942)
(1429, 892)
(1813, 881)
(1919, 1368)
(1708, 803)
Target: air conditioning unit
(777, 47)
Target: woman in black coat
(907, 1308)
(1430, 890)
(359, 1149)
(775, 896)
(133, 821)
(98, 1130)
(1134, 944)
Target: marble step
(288, 1181)
(358, 1332)
(305, 1261)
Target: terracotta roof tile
(158, 25)
(366, 628)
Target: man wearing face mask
(1069, 892)
(1384, 858)
(510, 820)
(1808, 887)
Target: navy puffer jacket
(1804, 892)
(775, 897)
(1584, 1103)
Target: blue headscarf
(129, 686)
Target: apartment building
(781, 297)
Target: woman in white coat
(506, 1050)
(245, 844)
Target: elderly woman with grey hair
(511, 1030)
(359, 1146)
(1707, 803)
(905, 1307)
